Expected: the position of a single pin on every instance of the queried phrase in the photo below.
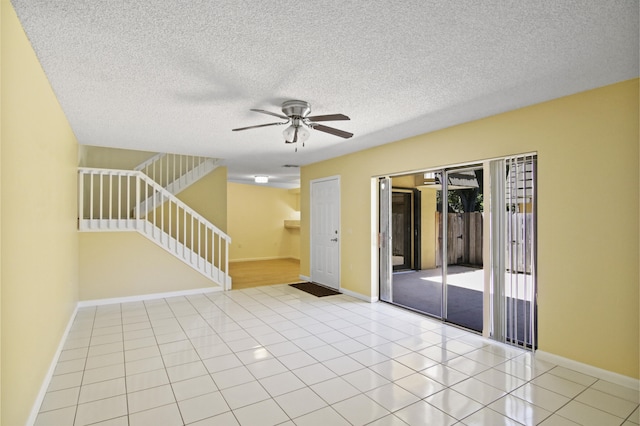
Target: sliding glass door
(416, 281)
(445, 278)
(463, 272)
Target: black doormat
(315, 289)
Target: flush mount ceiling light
(296, 114)
(261, 179)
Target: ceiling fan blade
(332, 131)
(284, 117)
(329, 117)
(259, 125)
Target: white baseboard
(139, 298)
(47, 378)
(589, 370)
(369, 299)
(304, 278)
(254, 259)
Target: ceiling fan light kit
(296, 113)
(296, 133)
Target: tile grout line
(165, 364)
(75, 417)
(124, 360)
(574, 399)
(199, 358)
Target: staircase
(131, 200)
(175, 172)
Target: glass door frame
(385, 267)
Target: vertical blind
(513, 250)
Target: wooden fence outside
(464, 239)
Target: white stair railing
(111, 200)
(174, 172)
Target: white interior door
(325, 232)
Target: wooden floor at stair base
(256, 273)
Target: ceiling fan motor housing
(295, 108)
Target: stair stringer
(184, 254)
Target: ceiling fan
(297, 113)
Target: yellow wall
(1, 8)
(208, 197)
(429, 226)
(111, 158)
(39, 238)
(588, 185)
(121, 264)
(408, 181)
(256, 216)
(1, 217)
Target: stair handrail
(150, 161)
(167, 168)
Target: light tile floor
(275, 355)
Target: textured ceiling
(178, 75)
